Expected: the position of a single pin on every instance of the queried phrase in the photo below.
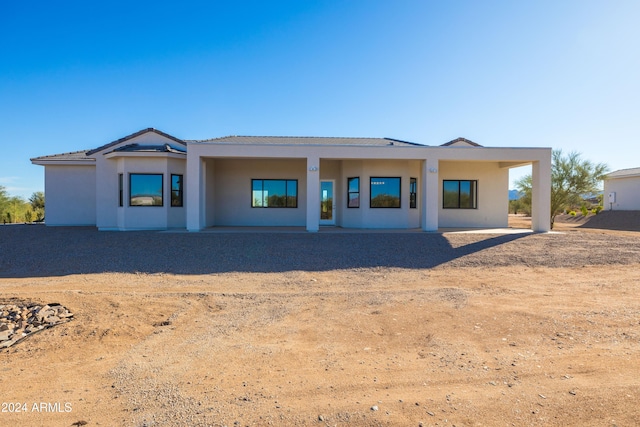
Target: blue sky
(75, 75)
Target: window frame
(180, 191)
(286, 193)
(349, 193)
(121, 190)
(161, 175)
(413, 193)
(371, 180)
(473, 189)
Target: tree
(4, 202)
(571, 179)
(37, 204)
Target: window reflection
(353, 190)
(274, 193)
(176, 190)
(145, 189)
(459, 194)
(385, 192)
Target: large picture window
(176, 190)
(353, 192)
(385, 192)
(274, 193)
(459, 194)
(145, 189)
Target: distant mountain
(514, 195)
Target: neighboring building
(152, 180)
(622, 190)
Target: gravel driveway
(39, 251)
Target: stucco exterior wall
(217, 184)
(493, 196)
(232, 194)
(70, 195)
(367, 217)
(177, 215)
(111, 216)
(627, 193)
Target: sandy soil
(466, 344)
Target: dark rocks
(19, 321)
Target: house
(622, 190)
(152, 180)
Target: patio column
(195, 189)
(313, 194)
(429, 196)
(541, 195)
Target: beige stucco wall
(231, 185)
(228, 193)
(217, 188)
(627, 193)
(493, 196)
(70, 195)
(366, 217)
(111, 216)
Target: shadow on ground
(38, 251)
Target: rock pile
(19, 321)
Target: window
(353, 192)
(120, 189)
(385, 192)
(176, 190)
(274, 193)
(459, 194)
(413, 192)
(145, 189)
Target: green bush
(584, 210)
(572, 213)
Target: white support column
(196, 188)
(429, 197)
(313, 194)
(541, 195)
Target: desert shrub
(597, 209)
(584, 210)
(572, 213)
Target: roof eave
(52, 162)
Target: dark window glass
(353, 192)
(459, 194)
(385, 192)
(145, 189)
(274, 193)
(413, 193)
(176, 190)
(120, 189)
(292, 194)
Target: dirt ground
(443, 346)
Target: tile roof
(72, 156)
(83, 155)
(453, 142)
(623, 173)
(137, 148)
(307, 140)
(133, 135)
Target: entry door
(327, 207)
